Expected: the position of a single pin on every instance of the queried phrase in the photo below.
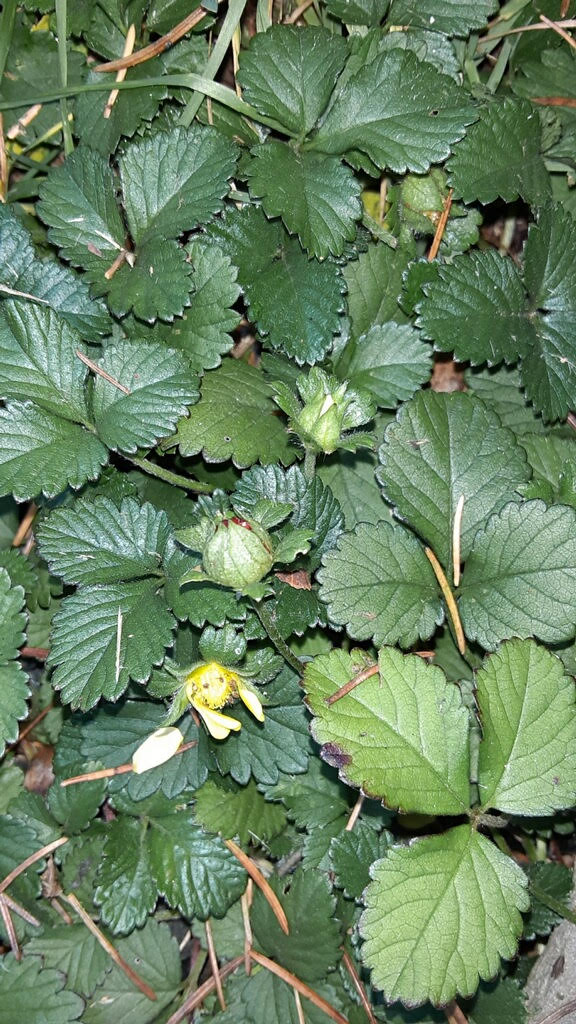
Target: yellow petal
(251, 700)
(157, 748)
(219, 726)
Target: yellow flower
(210, 687)
(157, 748)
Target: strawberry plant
(287, 508)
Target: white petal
(157, 748)
(252, 702)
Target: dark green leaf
(501, 390)
(35, 994)
(350, 477)
(546, 880)
(454, 17)
(126, 892)
(374, 283)
(358, 12)
(391, 362)
(313, 800)
(73, 950)
(280, 743)
(352, 855)
(157, 284)
(242, 812)
(74, 807)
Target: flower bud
(157, 748)
(321, 419)
(239, 553)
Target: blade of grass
(61, 28)
(231, 21)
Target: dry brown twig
(156, 48)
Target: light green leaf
(440, 447)
(454, 17)
(288, 74)
(374, 283)
(350, 477)
(401, 735)
(358, 12)
(391, 362)
(235, 418)
(476, 308)
(157, 285)
(317, 197)
(175, 180)
(312, 947)
(160, 386)
(12, 618)
(295, 302)
(41, 453)
(74, 951)
(153, 953)
(500, 156)
(457, 885)
(241, 812)
(35, 994)
(424, 114)
(527, 761)
(78, 203)
(379, 583)
(38, 359)
(194, 871)
(519, 576)
(14, 689)
(126, 892)
(97, 542)
(103, 636)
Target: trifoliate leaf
(160, 387)
(153, 953)
(527, 763)
(263, 749)
(126, 892)
(175, 180)
(35, 994)
(350, 477)
(453, 17)
(546, 880)
(38, 359)
(97, 542)
(235, 418)
(193, 871)
(241, 812)
(457, 885)
(518, 579)
(14, 689)
(390, 362)
(374, 283)
(312, 947)
(317, 197)
(379, 583)
(352, 855)
(78, 203)
(103, 636)
(58, 286)
(400, 735)
(156, 285)
(314, 507)
(476, 308)
(74, 951)
(42, 453)
(500, 156)
(425, 113)
(295, 302)
(358, 12)
(288, 74)
(440, 447)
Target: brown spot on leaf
(334, 755)
(298, 580)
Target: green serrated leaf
(288, 74)
(160, 387)
(457, 884)
(42, 453)
(243, 812)
(391, 362)
(312, 800)
(526, 762)
(440, 447)
(295, 302)
(374, 284)
(379, 583)
(99, 542)
(546, 880)
(358, 12)
(235, 418)
(103, 636)
(401, 735)
(317, 197)
(38, 359)
(14, 689)
(35, 994)
(126, 892)
(312, 947)
(74, 807)
(500, 156)
(352, 855)
(518, 576)
(350, 477)
(103, 133)
(425, 113)
(156, 285)
(501, 390)
(262, 750)
(498, 1001)
(175, 180)
(453, 17)
(74, 951)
